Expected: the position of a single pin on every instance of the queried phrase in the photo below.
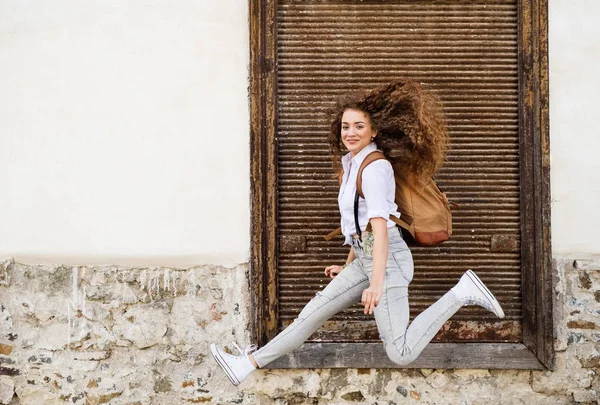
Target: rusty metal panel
(466, 51)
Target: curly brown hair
(408, 119)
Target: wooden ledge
(435, 355)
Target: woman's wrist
(376, 282)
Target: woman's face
(356, 130)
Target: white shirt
(379, 189)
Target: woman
(379, 266)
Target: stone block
(568, 373)
(56, 336)
(123, 343)
(593, 361)
(46, 308)
(426, 371)
(143, 325)
(83, 365)
(471, 374)
(585, 396)
(6, 320)
(581, 324)
(575, 338)
(402, 390)
(354, 396)
(186, 314)
(587, 265)
(102, 355)
(7, 390)
(125, 294)
(437, 380)
(5, 269)
(101, 399)
(41, 358)
(98, 312)
(559, 308)
(99, 277)
(34, 395)
(6, 349)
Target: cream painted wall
(115, 118)
(574, 132)
(124, 131)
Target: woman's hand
(332, 271)
(370, 298)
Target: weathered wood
(536, 248)
(587, 265)
(263, 282)
(535, 213)
(546, 295)
(436, 355)
(527, 186)
(470, 331)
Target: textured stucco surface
(124, 132)
(122, 335)
(574, 54)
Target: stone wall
(116, 335)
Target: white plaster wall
(124, 131)
(574, 130)
(115, 118)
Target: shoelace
(247, 350)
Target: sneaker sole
(498, 309)
(221, 362)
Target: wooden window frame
(536, 351)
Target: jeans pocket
(404, 261)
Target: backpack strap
(370, 158)
(358, 232)
(404, 222)
(333, 234)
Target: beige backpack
(425, 216)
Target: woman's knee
(401, 356)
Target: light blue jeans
(403, 343)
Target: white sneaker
(237, 368)
(472, 291)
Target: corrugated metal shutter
(467, 52)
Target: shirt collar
(360, 156)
